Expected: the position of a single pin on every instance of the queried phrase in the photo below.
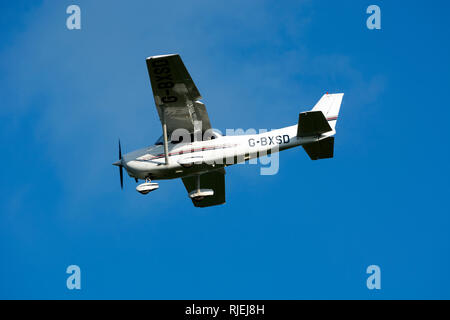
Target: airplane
(192, 150)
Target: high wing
(176, 96)
(214, 180)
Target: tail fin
(321, 119)
(330, 105)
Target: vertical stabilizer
(330, 105)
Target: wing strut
(164, 127)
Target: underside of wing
(176, 96)
(215, 181)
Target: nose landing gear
(147, 187)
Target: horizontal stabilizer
(312, 123)
(322, 149)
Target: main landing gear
(200, 194)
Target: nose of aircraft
(118, 163)
(124, 163)
(121, 163)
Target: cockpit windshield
(209, 135)
(160, 141)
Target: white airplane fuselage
(201, 162)
(187, 159)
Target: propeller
(120, 165)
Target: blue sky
(308, 232)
